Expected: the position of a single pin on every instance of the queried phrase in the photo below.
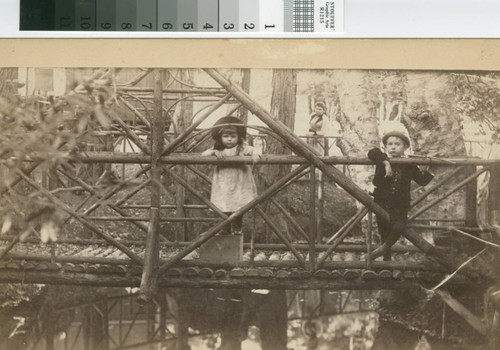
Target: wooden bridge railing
(318, 253)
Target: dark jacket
(397, 187)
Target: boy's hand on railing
(424, 168)
(388, 168)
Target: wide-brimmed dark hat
(240, 128)
(399, 134)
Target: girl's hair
(217, 131)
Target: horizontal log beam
(447, 227)
(292, 264)
(163, 219)
(198, 91)
(85, 279)
(194, 158)
(360, 248)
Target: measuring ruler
(203, 16)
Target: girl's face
(319, 110)
(395, 147)
(229, 138)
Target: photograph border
(396, 54)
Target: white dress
(233, 185)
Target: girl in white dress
(233, 185)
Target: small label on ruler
(328, 16)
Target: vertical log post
(321, 195)
(470, 199)
(369, 237)
(183, 119)
(494, 199)
(151, 255)
(312, 217)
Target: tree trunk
(431, 111)
(231, 320)
(283, 108)
(245, 85)
(183, 115)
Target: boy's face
(229, 138)
(395, 146)
(319, 110)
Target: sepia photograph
(273, 206)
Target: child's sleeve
(377, 156)
(208, 152)
(250, 151)
(421, 177)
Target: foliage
(41, 132)
(478, 97)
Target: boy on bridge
(392, 188)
